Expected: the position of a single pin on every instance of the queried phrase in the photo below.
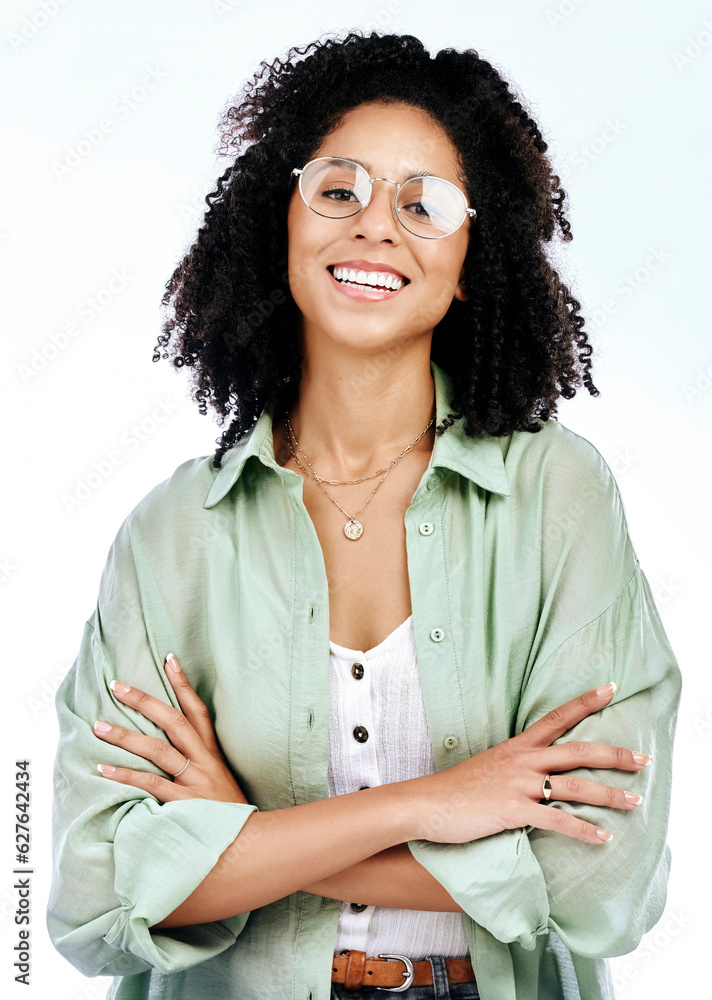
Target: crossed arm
(389, 877)
(324, 857)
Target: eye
(341, 193)
(416, 208)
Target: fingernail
(119, 688)
(642, 758)
(105, 768)
(607, 690)
(172, 663)
(102, 727)
(633, 798)
(603, 835)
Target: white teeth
(376, 279)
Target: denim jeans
(440, 990)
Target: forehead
(393, 140)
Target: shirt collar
(479, 459)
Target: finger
(573, 788)
(560, 821)
(559, 720)
(194, 708)
(161, 788)
(158, 751)
(171, 720)
(578, 753)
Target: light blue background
(622, 93)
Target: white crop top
(378, 734)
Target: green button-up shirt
(526, 591)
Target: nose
(378, 220)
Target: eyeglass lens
(427, 206)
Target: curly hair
(511, 349)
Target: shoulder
(173, 509)
(554, 450)
(561, 470)
(564, 491)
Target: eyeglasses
(426, 206)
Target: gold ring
(546, 788)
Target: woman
(346, 682)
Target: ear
(460, 292)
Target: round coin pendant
(353, 529)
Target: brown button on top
(358, 907)
(360, 734)
(357, 671)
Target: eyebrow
(368, 168)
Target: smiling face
(395, 141)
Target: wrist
(404, 805)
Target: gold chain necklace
(353, 529)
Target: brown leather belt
(393, 972)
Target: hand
(501, 788)
(192, 738)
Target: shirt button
(450, 742)
(360, 734)
(357, 671)
(437, 635)
(432, 482)
(358, 907)
(426, 528)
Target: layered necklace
(353, 528)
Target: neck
(357, 417)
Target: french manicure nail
(603, 835)
(172, 663)
(607, 689)
(102, 727)
(633, 798)
(642, 758)
(105, 768)
(118, 687)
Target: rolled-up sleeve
(603, 900)
(121, 860)
(598, 623)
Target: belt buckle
(409, 974)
